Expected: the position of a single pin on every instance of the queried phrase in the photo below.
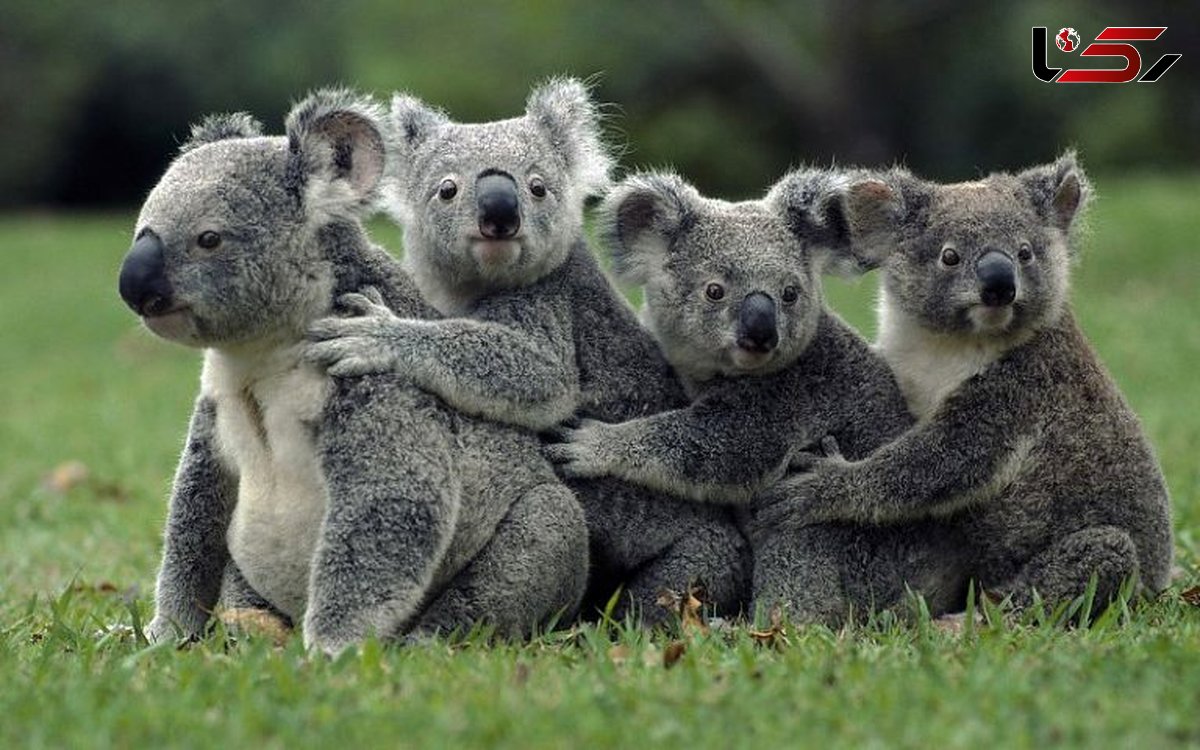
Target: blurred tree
(93, 100)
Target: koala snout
(997, 279)
(757, 330)
(499, 209)
(143, 283)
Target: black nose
(756, 331)
(997, 279)
(143, 283)
(499, 210)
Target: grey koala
(1024, 443)
(363, 506)
(733, 294)
(493, 227)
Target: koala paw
(579, 452)
(825, 455)
(787, 505)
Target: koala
(536, 333)
(732, 293)
(1023, 444)
(358, 506)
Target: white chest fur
(930, 366)
(268, 409)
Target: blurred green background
(94, 97)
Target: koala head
(495, 204)
(729, 288)
(226, 247)
(988, 258)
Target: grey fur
(752, 414)
(359, 506)
(1025, 446)
(542, 337)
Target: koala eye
(950, 256)
(790, 295)
(537, 186)
(208, 240)
(714, 292)
(1025, 252)
(448, 189)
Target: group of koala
(487, 433)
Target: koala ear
(220, 127)
(412, 122)
(849, 219)
(640, 220)
(564, 110)
(336, 150)
(1058, 191)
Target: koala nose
(499, 210)
(997, 279)
(756, 331)
(143, 283)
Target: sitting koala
(1024, 444)
(493, 228)
(363, 506)
(732, 292)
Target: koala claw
(787, 505)
(827, 452)
(368, 302)
(578, 452)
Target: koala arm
(959, 457)
(514, 363)
(720, 449)
(195, 552)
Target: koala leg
(828, 573)
(801, 572)
(1064, 570)
(710, 554)
(533, 568)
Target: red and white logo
(1114, 42)
(1067, 39)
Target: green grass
(83, 384)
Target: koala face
(212, 256)
(729, 288)
(225, 248)
(495, 204)
(986, 258)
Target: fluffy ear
(220, 127)
(412, 121)
(336, 151)
(564, 110)
(849, 220)
(641, 219)
(1058, 191)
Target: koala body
(493, 226)
(1024, 444)
(359, 506)
(733, 294)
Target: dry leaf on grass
(66, 476)
(72, 474)
(1191, 596)
(673, 653)
(775, 636)
(618, 654)
(256, 623)
(955, 624)
(688, 607)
